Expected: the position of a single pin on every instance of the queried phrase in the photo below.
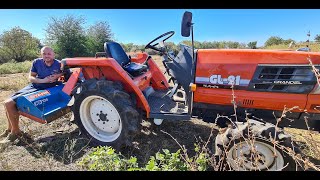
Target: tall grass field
(13, 67)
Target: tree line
(69, 38)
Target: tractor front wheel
(255, 146)
(105, 113)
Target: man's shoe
(22, 137)
(10, 138)
(4, 133)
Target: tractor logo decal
(41, 101)
(217, 79)
(287, 82)
(38, 94)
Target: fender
(71, 83)
(110, 69)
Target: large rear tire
(105, 113)
(251, 147)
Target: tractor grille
(290, 79)
(247, 102)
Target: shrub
(104, 158)
(12, 67)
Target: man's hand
(52, 78)
(56, 76)
(49, 79)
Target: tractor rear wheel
(105, 113)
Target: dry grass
(58, 146)
(14, 67)
(13, 81)
(50, 149)
(309, 142)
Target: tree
(215, 45)
(18, 44)
(273, 40)
(252, 45)
(172, 47)
(185, 42)
(317, 38)
(206, 45)
(127, 47)
(67, 36)
(97, 35)
(289, 41)
(233, 45)
(134, 48)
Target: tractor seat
(115, 51)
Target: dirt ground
(59, 144)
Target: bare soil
(59, 144)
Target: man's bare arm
(34, 79)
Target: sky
(139, 26)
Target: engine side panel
(257, 100)
(218, 69)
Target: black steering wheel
(166, 36)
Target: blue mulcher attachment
(45, 105)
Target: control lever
(146, 61)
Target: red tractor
(112, 92)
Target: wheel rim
(262, 157)
(100, 118)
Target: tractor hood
(254, 56)
(242, 65)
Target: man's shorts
(26, 90)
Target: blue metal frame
(46, 105)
